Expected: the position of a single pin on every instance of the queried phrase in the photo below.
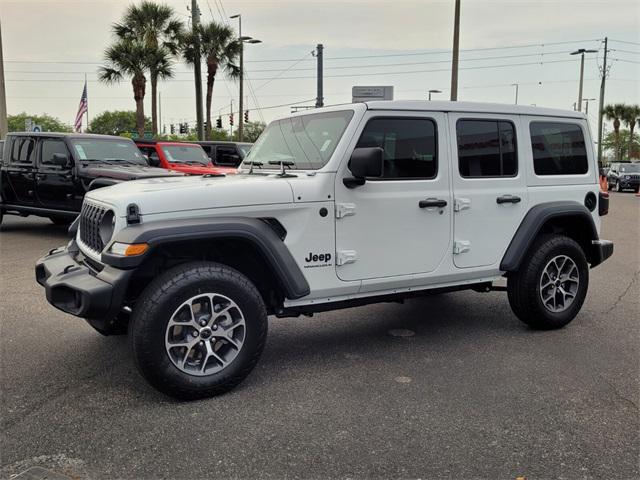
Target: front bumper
(74, 286)
(602, 249)
(631, 182)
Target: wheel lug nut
(203, 323)
(215, 327)
(195, 334)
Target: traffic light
(206, 125)
(231, 119)
(173, 129)
(183, 129)
(219, 123)
(246, 116)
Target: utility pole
(319, 94)
(3, 99)
(581, 52)
(241, 96)
(456, 49)
(160, 112)
(601, 106)
(586, 104)
(197, 74)
(517, 87)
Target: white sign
(368, 94)
(36, 128)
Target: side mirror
(153, 161)
(365, 162)
(61, 159)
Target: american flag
(82, 109)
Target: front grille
(90, 218)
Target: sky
(49, 46)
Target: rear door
(21, 171)
(54, 183)
(489, 186)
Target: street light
(517, 86)
(586, 107)
(433, 91)
(242, 40)
(581, 52)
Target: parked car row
(624, 176)
(48, 174)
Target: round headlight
(627, 177)
(107, 226)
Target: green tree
(252, 131)
(128, 58)
(47, 122)
(156, 27)
(614, 113)
(220, 49)
(116, 122)
(622, 143)
(630, 118)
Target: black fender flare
(258, 232)
(533, 222)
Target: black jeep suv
(225, 154)
(622, 176)
(47, 174)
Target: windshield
(308, 140)
(244, 149)
(186, 154)
(631, 168)
(107, 149)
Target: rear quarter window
(558, 148)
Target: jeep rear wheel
(198, 330)
(551, 284)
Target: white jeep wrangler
(340, 207)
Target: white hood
(174, 194)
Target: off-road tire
(523, 286)
(618, 189)
(154, 308)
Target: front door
(398, 224)
(489, 186)
(54, 183)
(21, 171)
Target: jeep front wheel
(198, 330)
(551, 284)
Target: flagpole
(85, 84)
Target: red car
(187, 158)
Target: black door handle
(508, 199)
(432, 203)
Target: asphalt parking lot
(473, 394)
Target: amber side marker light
(128, 249)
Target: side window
(558, 149)
(49, 148)
(22, 151)
(409, 144)
(486, 148)
(227, 156)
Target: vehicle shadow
(361, 333)
(33, 228)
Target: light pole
(586, 107)
(581, 52)
(433, 91)
(242, 41)
(517, 87)
(456, 52)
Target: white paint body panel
(398, 246)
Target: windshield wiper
(283, 164)
(253, 164)
(129, 162)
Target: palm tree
(156, 27)
(630, 118)
(615, 112)
(220, 48)
(128, 58)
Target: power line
(282, 60)
(624, 41)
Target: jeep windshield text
(345, 206)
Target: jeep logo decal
(318, 260)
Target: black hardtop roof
(79, 136)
